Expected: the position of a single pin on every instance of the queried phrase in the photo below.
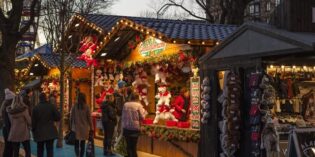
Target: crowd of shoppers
(20, 117)
(122, 114)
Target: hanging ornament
(88, 47)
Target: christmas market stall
(157, 59)
(262, 85)
(42, 67)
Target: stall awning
(258, 40)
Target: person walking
(44, 131)
(132, 115)
(8, 99)
(109, 121)
(81, 124)
(20, 120)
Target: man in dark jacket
(43, 127)
(9, 96)
(109, 120)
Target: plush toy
(143, 76)
(160, 75)
(108, 90)
(141, 89)
(163, 112)
(99, 78)
(270, 139)
(88, 47)
(164, 96)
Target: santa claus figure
(163, 105)
(181, 105)
(99, 78)
(108, 90)
(88, 47)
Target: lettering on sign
(195, 102)
(151, 47)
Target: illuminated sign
(151, 47)
(195, 102)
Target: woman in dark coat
(109, 120)
(81, 124)
(9, 96)
(44, 130)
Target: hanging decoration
(205, 100)
(230, 125)
(141, 84)
(88, 47)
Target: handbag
(70, 137)
(90, 149)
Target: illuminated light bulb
(160, 37)
(142, 30)
(126, 23)
(174, 41)
(282, 66)
(294, 67)
(189, 42)
(314, 67)
(113, 28)
(203, 43)
(148, 32)
(304, 67)
(121, 21)
(77, 25)
(117, 23)
(217, 43)
(271, 66)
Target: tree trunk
(62, 94)
(7, 64)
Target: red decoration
(88, 47)
(171, 123)
(183, 124)
(148, 121)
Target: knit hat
(8, 94)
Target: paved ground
(68, 151)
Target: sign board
(151, 47)
(195, 102)
(313, 13)
(302, 143)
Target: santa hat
(8, 94)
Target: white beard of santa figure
(163, 105)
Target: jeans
(49, 148)
(132, 140)
(79, 148)
(108, 136)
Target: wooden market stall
(42, 64)
(267, 76)
(155, 58)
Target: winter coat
(81, 122)
(119, 103)
(5, 118)
(43, 118)
(132, 115)
(27, 102)
(109, 113)
(179, 104)
(20, 124)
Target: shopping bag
(70, 137)
(90, 149)
(121, 146)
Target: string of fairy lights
(138, 27)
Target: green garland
(171, 134)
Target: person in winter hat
(9, 96)
(20, 120)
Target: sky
(130, 7)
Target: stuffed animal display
(108, 90)
(99, 78)
(141, 85)
(163, 105)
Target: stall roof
(174, 29)
(258, 39)
(53, 60)
(45, 49)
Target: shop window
(268, 7)
(251, 9)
